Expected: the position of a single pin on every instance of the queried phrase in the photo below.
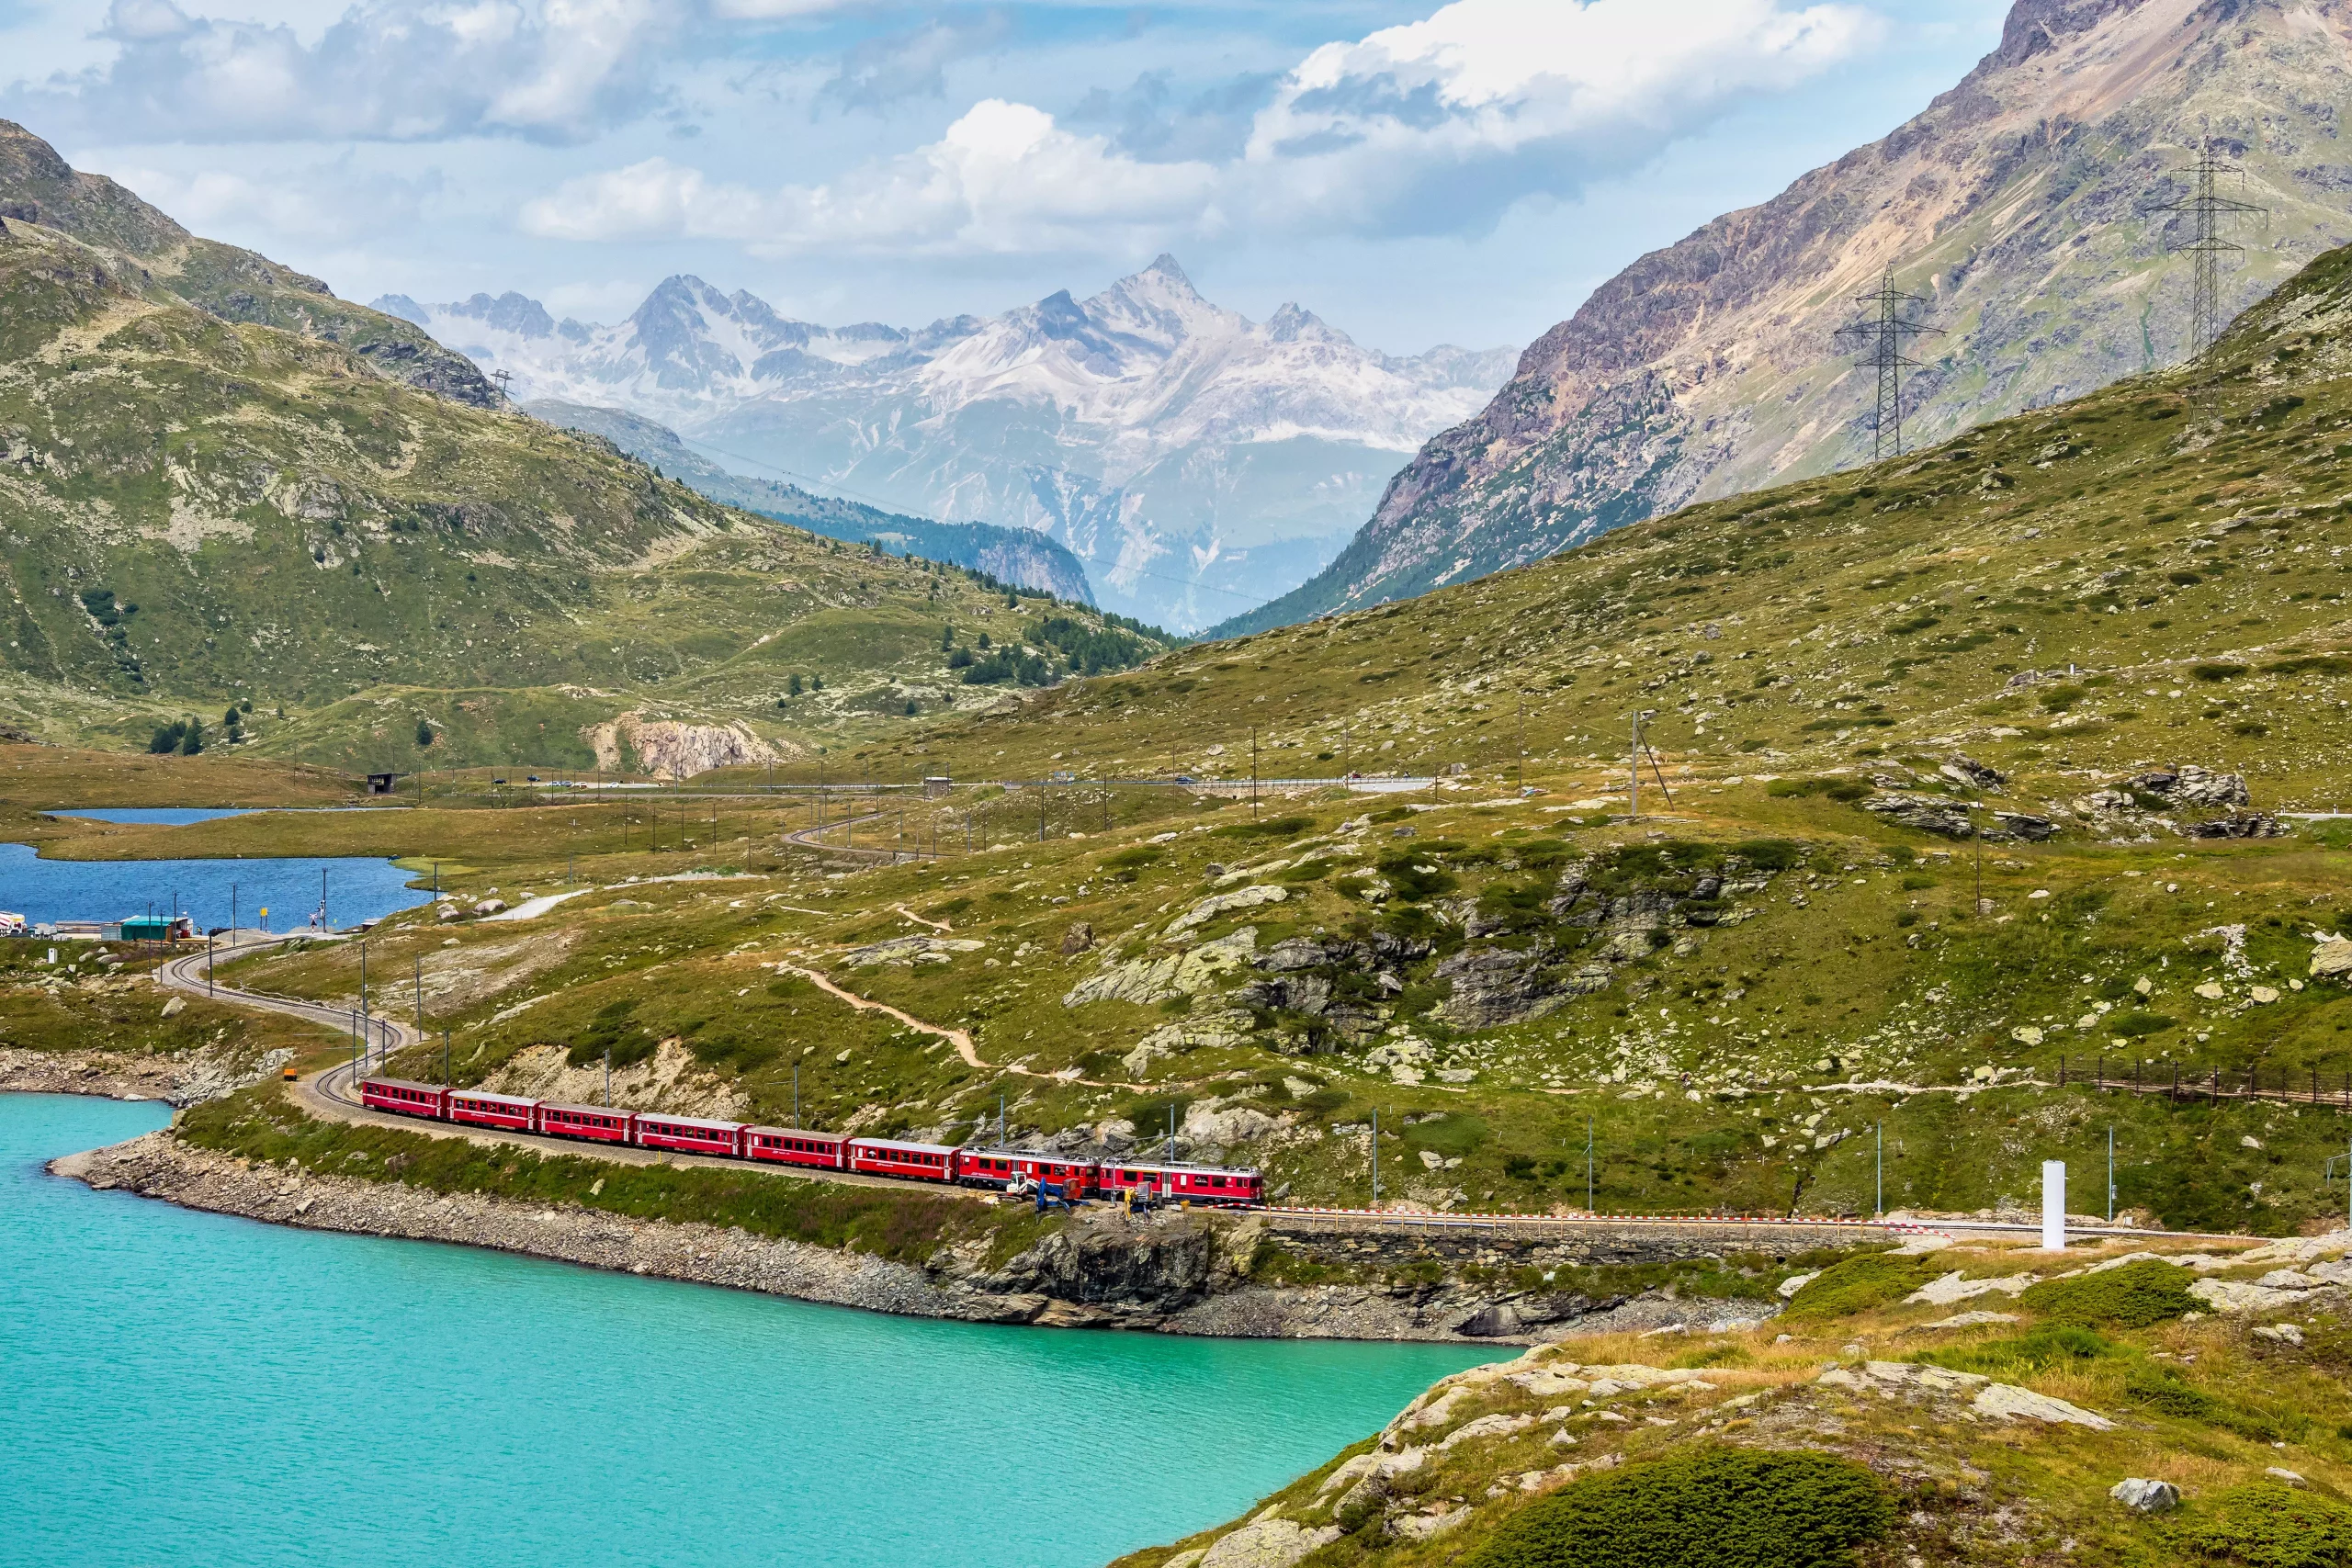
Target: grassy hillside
(202, 511)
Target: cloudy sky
(1413, 172)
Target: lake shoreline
(1173, 1273)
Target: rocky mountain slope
(39, 187)
(1019, 556)
(2028, 205)
(1189, 456)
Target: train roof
(700, 1124)
(490, 1095)
(398, 1083)
(1028, 1153)
(802, 1133)
(903, 1146)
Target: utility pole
(1587, 1165)
(1520, 761)
(1878, 340)
(2207, 209)
(501, 377)
(1253, 773)
(1641, 749)
(2110, 1174)
(445, 1055)
(420, 995)
(1881, 1171)
(1376, 1157)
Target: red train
(948, 1164)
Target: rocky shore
(180, 1080)
(1181, 1273)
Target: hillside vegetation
(1806, 961)
(200, 512)
(1900, 1431)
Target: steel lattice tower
(1878, 339)
(2207, 211)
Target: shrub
(165, 739)
(2131, 1297)
(1768, 855)
(1724, 1508)
(2132, 1024)
(2035, 1351)
(1270, 827)
(1856, 1285)
(1847, 790)
(2269, 1525)
(2217, 671)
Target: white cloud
(1004, 178)
(329, 203)
(1445, 122)
(1436, 127)
(385, 69)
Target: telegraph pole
(1878, 341)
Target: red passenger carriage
(1000, 1168)
(888, 1157)
(689, 1135)
(484, 1109)
(597, 1123)
(1185, 1183)
(791, 1146)
(408, 1099)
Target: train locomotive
(947, 1164)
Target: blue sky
(1414, 173)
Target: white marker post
(2053, 1205)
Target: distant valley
(1196, 462)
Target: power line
(1878, 339)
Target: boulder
(906, 952)
(447, 912)
(2145, 1496)
(1927, 815)
(2009, 1402)
(175, 1007)
(1210, 908)
(1078, 939)
(489, 906)
(2240, 825)
(2021, 824)
(1496, 986)
(1268, 1544)
(2190, 786)
(1969, 773)
(2332, 959)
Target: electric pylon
(1878, 339)
(2207, 211)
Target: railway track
(334, 1086)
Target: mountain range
(2034, 210)
(1192, 458)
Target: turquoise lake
(188, 1388)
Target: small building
(934, 788)
(382, 784)
(157, 927)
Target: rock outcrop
(673, 749)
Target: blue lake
(190, 1388)
(357, 888)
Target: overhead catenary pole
(1588, 1166)
(1376, 1157)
